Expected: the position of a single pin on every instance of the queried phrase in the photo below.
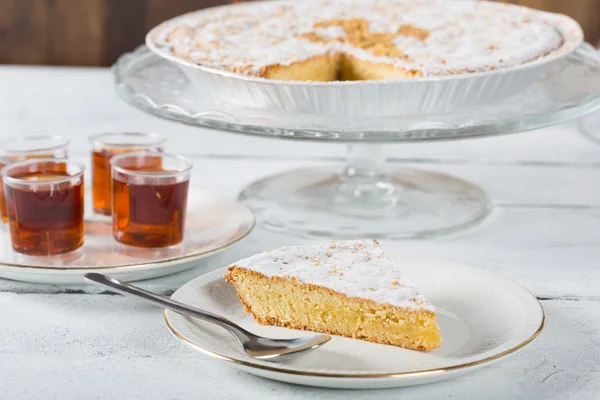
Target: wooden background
(96, 32)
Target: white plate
(213, 223)
(483, 318)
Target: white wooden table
(544, 233)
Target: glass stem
(364, 162)
(364, 177)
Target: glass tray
(568, 89)
(366, 198)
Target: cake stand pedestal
(366, 197)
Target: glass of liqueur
(149, 193)
(44, 203)
(28, 147)
(107, 145)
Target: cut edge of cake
(336, 67)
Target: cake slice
(348, 288)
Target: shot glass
(44, 203)
(149, 198)
(18, 149)
(107, 145)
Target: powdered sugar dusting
(463, 36)
(357, 268)
(331, 32)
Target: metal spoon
(255, 346)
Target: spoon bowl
(263, 348)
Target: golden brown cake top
(430, 37)
(355, 268)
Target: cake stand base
(365, 200)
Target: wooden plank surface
(73, 343)
(586, 12)
(542, 183)
(96, 32)
(74, 346)
(23, 29)
(76, 32)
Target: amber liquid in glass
(2, 199)
(101, 181)
(149, 215)
(47, 221)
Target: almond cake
(348, 288)
(328, 40)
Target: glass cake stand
(590, 127)
(590, 124)
(366, 197)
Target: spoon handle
(125, 288)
